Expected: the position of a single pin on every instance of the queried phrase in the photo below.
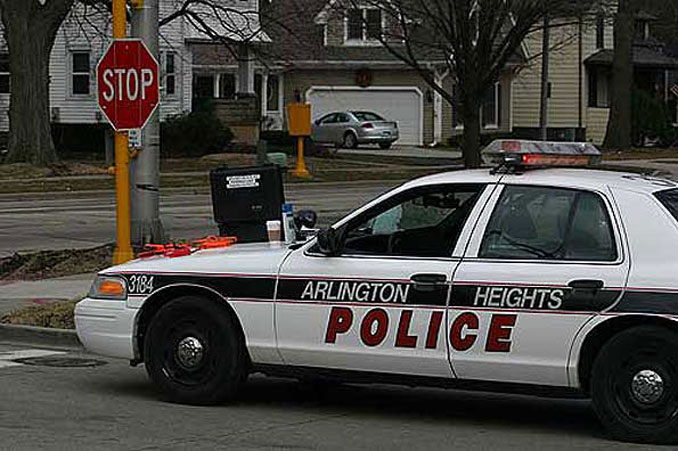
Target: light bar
(522, 153)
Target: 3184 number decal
(140, 284)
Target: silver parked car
(348, 129)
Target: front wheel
(634, 385)
(193, 352)
(385, 146)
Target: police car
(511, 278)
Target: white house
(85, 35)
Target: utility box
(299, 119)
(244, 199)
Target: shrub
(650, 118)
(194, 135)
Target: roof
(300, 39)
(589, 179)
(642, 57)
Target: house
(580, 78)
(333, 61)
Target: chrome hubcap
(647, 386)
(190, 352)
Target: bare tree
(473, 39)
(30, 27)
(618, 136)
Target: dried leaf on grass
(48, 264)
(57, 315)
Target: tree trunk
(471, 141)
(618, 136)
(30, 30)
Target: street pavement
(114, 406)
(405, 151)
(79, 220)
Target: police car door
(380, 305)
(540, 264)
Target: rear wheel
(350, 141)
(385, 146)
(634, 385)
(193, 352)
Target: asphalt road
(75, 220)
(113, 406)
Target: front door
(541, 263)
(380, 305)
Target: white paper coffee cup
(274, 229)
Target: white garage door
(402, 105)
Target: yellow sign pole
(301, 171)
(123, 249)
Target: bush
(650, 119)
(194, 135)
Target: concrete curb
(43, 336)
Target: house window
(272, 93)
(490, 108)
(80, 73)
(170, 73)
(600, 32)
(354, 30)
(203, 87)
(363, 24)
(227, 86)
(642, 30)
(373, 24)
(600, 95)
(4, 73)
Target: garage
(403, 105)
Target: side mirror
(306, 218)
(329, 242)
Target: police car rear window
(542, 223)
(669, 199)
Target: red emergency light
(532, 154)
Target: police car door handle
(429, 280)
(586, 284)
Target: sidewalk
(405, 151)
(14, 295)
(668, 167)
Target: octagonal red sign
(127, 84)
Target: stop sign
(127, 84)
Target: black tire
(350, 140)
(213, 378)
(385, 146)
(629, 358)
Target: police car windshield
(669, 199)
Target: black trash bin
(244, 199)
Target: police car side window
(669, 200)
(539, 223)
(421, 223)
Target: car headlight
(109, 287)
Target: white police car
(507, 279)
